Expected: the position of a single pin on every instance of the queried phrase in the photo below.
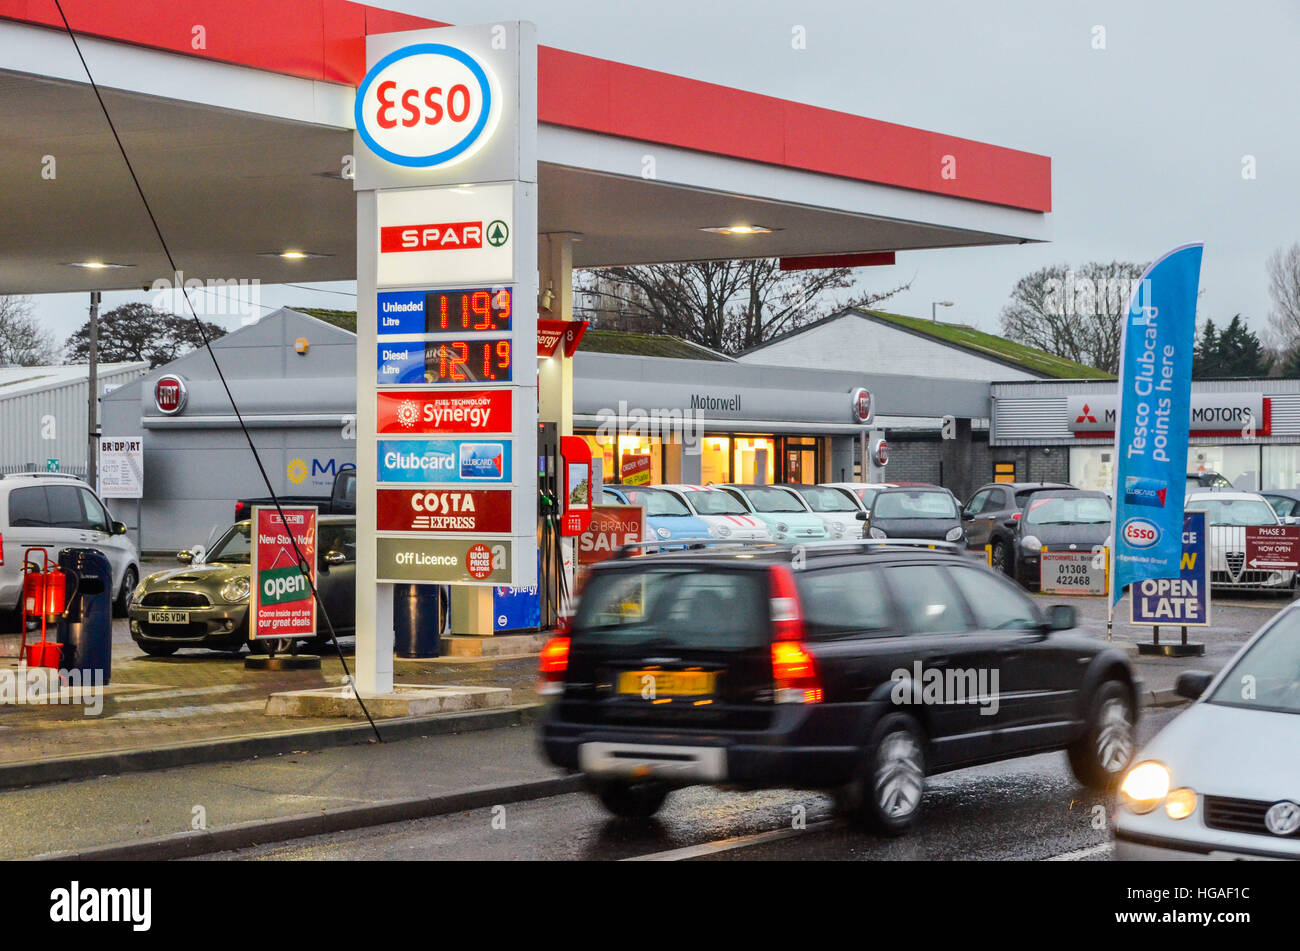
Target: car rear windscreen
(673, 608)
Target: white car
(1222, 780)
(863, 492)
(837, 509)
(726, 515)
(56, 511)
(1227, 515)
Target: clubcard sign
(281, 600)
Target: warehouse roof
(19, 380)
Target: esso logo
(170, 394)
(1141, 532)
(426, 106)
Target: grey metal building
(44, 410)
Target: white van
(56, 511)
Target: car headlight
(953, 533)
(719, 531)
(782, 528)
(838, 529)
(1031, 543)
(1145, 786)
(235, 590)
(1180, 803)
(138, 593)
(663, 532)
(878, 533)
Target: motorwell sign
(282, 604)
(432, 411)
(444, 510)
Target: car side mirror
(333, 557)
(185, 557)
(1061, 617)
(967, 514)
(119, 528)
(1192, 683)
(862, 516)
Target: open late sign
(461, 311)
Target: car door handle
(938, 660)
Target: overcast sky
(1147, 137)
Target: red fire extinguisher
(45, 595)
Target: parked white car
(56, 511)
(726, 515)
(1227, 515)
(863, 492)
(837, 509)
(1222, 780)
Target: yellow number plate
(665, 683)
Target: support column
(958, 460)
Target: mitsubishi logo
(1086, 415)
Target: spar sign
(281, 600)
(1184, 600)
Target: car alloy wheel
(999, 558)
(1114, 736)
(900, 775)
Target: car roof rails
(929, 543)
(630, 549)
(42, 475)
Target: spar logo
(1140, 532)
(428, 105)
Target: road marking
(726, 845)
(171, 713)
(180, 692)
(1080, 853)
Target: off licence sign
(282, 601)
(1272, 547)
(443, 561)
(1072, 572)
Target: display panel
(465, 311)
(485, 360)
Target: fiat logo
(861, 405)
(170, 394)
(1140, 532)
(426, 106)
(1282, 818)
(881, 452)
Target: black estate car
(855, 667)
(991, 514)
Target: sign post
(121, 474)
(281, 607)
(446, 182)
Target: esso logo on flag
(1140, 532)
(426, 106)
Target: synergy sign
(281, 600)
(449, 411)
(428, 105)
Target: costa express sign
(430, 411)
(444, 510)
(428, 105)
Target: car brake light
(2, 549)
(1015, 516)
(554, 661)
(793, 668)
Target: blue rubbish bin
(420, 615)
(86, 629)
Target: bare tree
(727, 306)
(1284, 289)
(1078, 315)
(23, 341)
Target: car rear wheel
(130, 578)
(886, 795)
(632, 800)
(1001, 557)
(1099, 758)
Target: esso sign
(426, 106)
(1140, 532)
(170, 394)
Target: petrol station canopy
(241, 147)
